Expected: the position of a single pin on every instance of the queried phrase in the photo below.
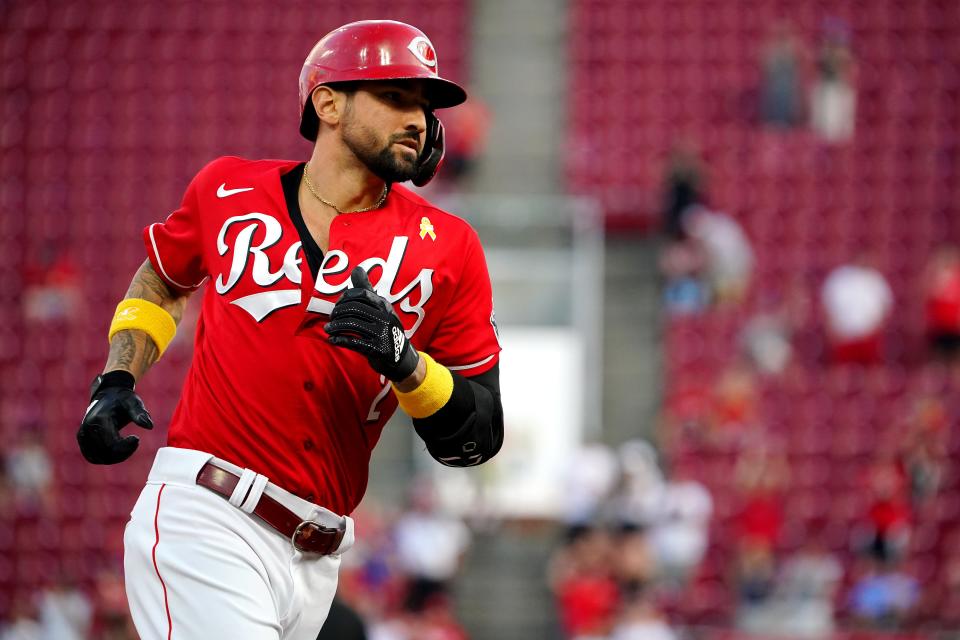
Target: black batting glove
(113, 405)
(364, 322)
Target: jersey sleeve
(466, 340)
(175, 246)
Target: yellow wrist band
(143, 315)
(431, 395)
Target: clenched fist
(113, 406)
(364, 322)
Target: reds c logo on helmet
(423, 50)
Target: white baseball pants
(199, 567)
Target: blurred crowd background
(766, 440)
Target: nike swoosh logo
(223, 192)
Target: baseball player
(335, 295)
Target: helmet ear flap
(432, 154)
(309, 122)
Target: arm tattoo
(147, 284)
(133, 350)
(123, 350)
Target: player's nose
(415, 121)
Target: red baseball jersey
(265, 390)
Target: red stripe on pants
(156, 528)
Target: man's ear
(328, 104)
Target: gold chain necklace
(310, 187)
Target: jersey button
(308, 445)
(308, 385)
(309, 497)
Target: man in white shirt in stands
(857, 302)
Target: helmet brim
(440, 92)
(443, 94)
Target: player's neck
(344, 180)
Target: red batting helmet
(373, 50)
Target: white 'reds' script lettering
(243, 246)
(335, 263)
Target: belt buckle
(326, 536)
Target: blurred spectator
(884, 596)
(581, 577)
(766, 341)
(680, 535)
(30, 470)
(929, 418)
(392, 629)
(686, 413)
(805, 592)
(370, 581)
(728, 258)
(51, 286)
(112, 618)
(924, 450)
(857, 302)
(754, 576)
(635, 566)
(735, 405)
(767, 338)
(342, 623)
(833, 101)
(430, 547)
(23, 623)
(942, 291)
(637, 499)
(887, 527)
(591, 476)
(780, 85)
(684, 292)
(640, 620)
(434, 623)
(65, 612)
(682, 187)
(465, 139)
(761, 475)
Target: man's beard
(382, 163)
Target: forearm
(134, 350)
(468, 429)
